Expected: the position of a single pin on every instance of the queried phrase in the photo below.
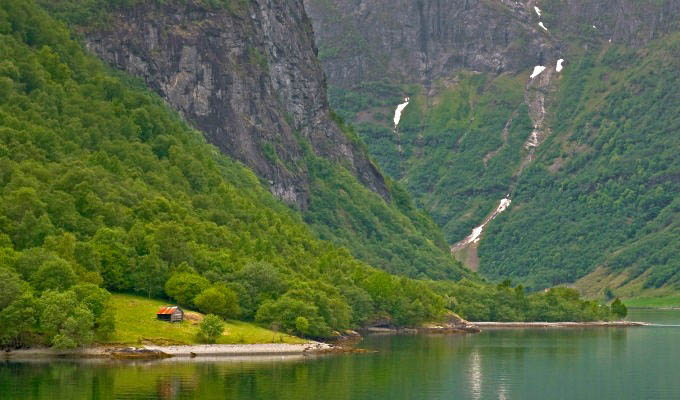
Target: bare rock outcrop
(246, 75)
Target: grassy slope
(672, 300)
(136, 323)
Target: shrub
(619, 309)
(11, 287)
(55, 274)
(184, 287)
(218, 300)
(210, 329)
(302, 325)
(285, 313)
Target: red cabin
(170, 314)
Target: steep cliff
(245, 73)
(488, 84)
(422, 40)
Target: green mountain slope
(102, 184)
(343, 196)
(604, 189)
(104, 188)
(593, 191)
(458, 147)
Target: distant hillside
(604, 189)
(583, 147)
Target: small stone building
(170, 314)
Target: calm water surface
(595, 363)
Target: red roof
(167, 310)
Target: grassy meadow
(136, 323)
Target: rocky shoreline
(597, 324)
(344, 344)
(152, 352)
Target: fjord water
(589, 363)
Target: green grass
(136, 323)
(654, 302)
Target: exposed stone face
(633, 22)
(248, 78)
(422, 40)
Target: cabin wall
(177, 316)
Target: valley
(347, 199)
(490, 85)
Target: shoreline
(597, 324)
(153, 352)
(231, 351)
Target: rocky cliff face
(422, 40)
(246, 75)
(419, 40)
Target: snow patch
(533, 139)
(399, 110)
(542, 26)
(537, 71)
(559, 65)
(476, 234)
(505, 203)
(538, 11)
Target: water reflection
(558, 364)
(502, 395)
(475, 375)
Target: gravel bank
(604, 324)
(155, 352)
(242, 349)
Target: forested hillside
(102, 185)
(584, 147)
(457, 152)
(258, 94)
(105, 188)
(604, 190)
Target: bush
(218, 300)
(77, 330)
(184, 287)
(210, 329)
(11, 287)
(619, 309)
(302, 325)
(56, 274)
(285, 313)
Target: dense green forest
(104, 188)
(604, 190)
(460, 148)
(391, 235)
(103, 185)
(480, 302)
